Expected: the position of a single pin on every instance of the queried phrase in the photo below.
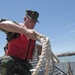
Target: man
(20, 47)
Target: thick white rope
(46, 54)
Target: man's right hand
(31, 34)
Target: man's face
(30, 23)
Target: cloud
(68, 14)
(72, 31)
(67, 34)
(62, 37)
(68, 26)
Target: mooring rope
(45, 55)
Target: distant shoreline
(66, 54)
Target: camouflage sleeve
(1, 20)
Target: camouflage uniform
(6, 65)
(10, 65)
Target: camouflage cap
(33, 15)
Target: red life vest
(18, 47)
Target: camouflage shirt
(9, 35)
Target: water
(67, 58)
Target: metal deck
(61, 68)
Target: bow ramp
(48, 63)
(61, 68)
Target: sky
(57, 21)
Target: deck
(61, 68)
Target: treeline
(66, 54)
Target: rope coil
(45, 55)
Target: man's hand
(31, 34)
